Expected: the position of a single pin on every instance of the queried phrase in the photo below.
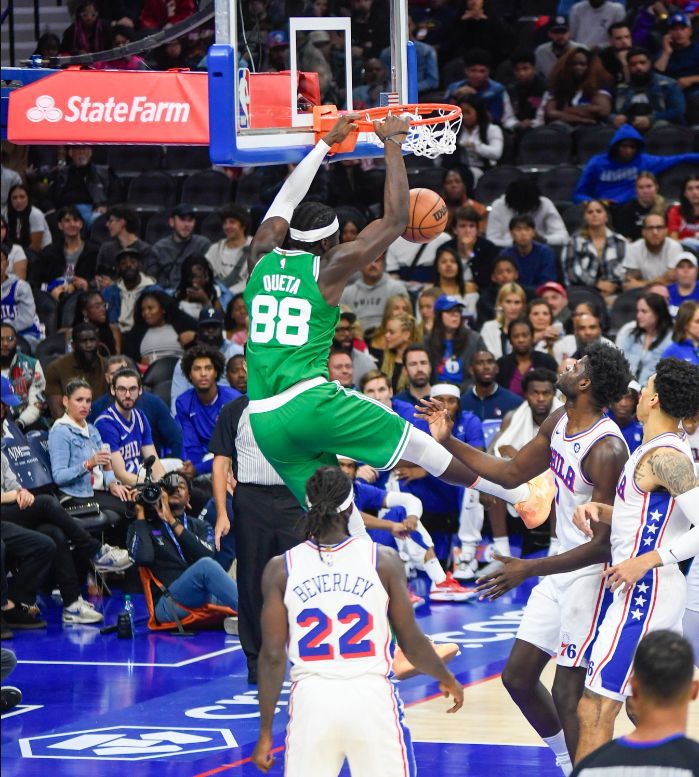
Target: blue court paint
(94, 704)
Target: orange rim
(451, 113)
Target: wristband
(88, 465)
(393, 135)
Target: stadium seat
(494, 182)
(543, 147)
(158, 226)
(207, 190)
(164, 391)
(572, 218)
(161, 370)
(589, 141)
(671, 180)
(211, 227)
(427, 178)
(536, 8)
(248, 189)
(50, 348)
(623, 309)
(208, 617)
(152, 191)
(666, 141)
(46, 310)
(559, 183)
(130, 161)
(98, 229)
(185, 160)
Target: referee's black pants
(268, 521)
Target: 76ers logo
(621, 488)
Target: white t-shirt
(160, 341)
(16, 255)
(223, 260)
(37, 223)
(402, 253)
(638, 257)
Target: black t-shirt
(628, 218)
(676, 756)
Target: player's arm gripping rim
(272, 232)
(272, 659)
(669, 469)
(603, 466)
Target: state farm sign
(84, 106)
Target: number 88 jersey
(337, 608)
(291, 324)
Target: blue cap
(209, 316)
(447, 302)
(679, 18)
(277, 38)
(8, 395)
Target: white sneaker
(109, 559)
(464, 568)
(230, 624)
(81, 612)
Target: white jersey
(645, 521)
(572, 487)
(337, 605)
(693, 442)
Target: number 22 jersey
(291, 324)
(337, 608)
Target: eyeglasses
(127, 390)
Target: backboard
(263, 85)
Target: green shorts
(311, 428)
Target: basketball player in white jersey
(657, 501)
(586, 452)
(690, 622)
(332, 601)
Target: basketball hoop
(433, 126)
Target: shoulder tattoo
(672, 470)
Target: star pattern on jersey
(656, 515)
(636, 614)
(642, 587)
(639, 601)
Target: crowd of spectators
(123, 322)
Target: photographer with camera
(179, 550)
(127, 431)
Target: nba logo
(243, 98)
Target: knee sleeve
(426, 452)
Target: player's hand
(367, 473)
(341, 129)
(455, 689)
(513, 572)
(392, 125)
(398, 530)
(408, 472)
(24, 498)
(626, 574)
(262, 754)
(410, 522)
(223, 526)
(583, 516)
(434, 411)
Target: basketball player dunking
(586, 452)
(301, 420)
(657, 501)
(332, 601)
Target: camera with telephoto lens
(148, 492)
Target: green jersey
(291, 324)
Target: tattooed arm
(663, 468)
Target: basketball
(427, 216)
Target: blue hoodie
(606, 178)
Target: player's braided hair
(677, 386)
(308, 216)
(609, 373)
(326, 490)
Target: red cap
(552, 286)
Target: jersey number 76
(315, 645)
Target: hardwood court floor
(181, 707)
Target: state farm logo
(45, 110)
(85, 109)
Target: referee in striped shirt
(267, 517)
